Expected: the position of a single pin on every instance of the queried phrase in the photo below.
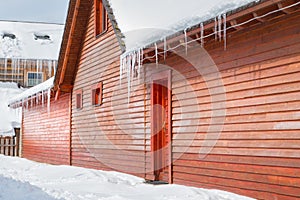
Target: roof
(29, 40)
(71, 43)
(45, 86)
(142, 31)
(74, 32)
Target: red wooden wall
(96, 139)
(46, 136)
(258, 153)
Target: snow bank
(29, 40)
(15, 190)
(74, 183)
(158, 19)
(9, 118)
(32, 91)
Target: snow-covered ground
(23, 179)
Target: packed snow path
(23, 179)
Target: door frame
(164, 75)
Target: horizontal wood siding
(258, 152)
(102, 136)
(46, 136)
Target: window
(34, 78)
(97, 94)
(100, 17)
(9, 35)
(41, 36)
(78, 100)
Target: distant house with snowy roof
(213, 103)
(29, 51)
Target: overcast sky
(53, 11)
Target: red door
(160, 127)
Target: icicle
(220, 27)
(22, 64)
(186, 42)
(31, 101)
(5, 69)
(27, 104)
(54, 66)
(216, 28)
(40, 67)
(37, 66)
(37, 99)
(225, 31)
(121, 69)
(49, 68)
(139, 63)
(133, 62)
(165, 47)
(129, 77)
(202, 34)
(156, 54)
(23, 103)
(43, 99)
(48, 100)
(12, 70)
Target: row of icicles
(131, 63)
(18, 64)
(43, 98)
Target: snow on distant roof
(9, 118)
(144, 22)
(28, 40)
(32, 91)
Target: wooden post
(7, 140)
(17, 142)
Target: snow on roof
(145, 22)
(28, 40)
(33, 91)
(9, 118)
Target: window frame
(100, 18)
(33, 72)
(97, 95)
(78, 105)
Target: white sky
(53, 11)
(144, 22)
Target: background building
(28, 51)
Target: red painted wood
(46, 135)
(257, 153)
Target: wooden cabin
(233, 125)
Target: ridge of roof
(117, 30)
